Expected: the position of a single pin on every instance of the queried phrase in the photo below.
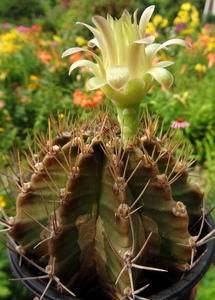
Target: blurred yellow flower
(211, 45)
(188, 31)
(33, 77)
(56, 38)
(194, 22)
(200, 67)
(194, 17)
(8, 118)
(151, 30)
(80, 41)
(185, 95)
(3, 75)
(1, 129)
(157, 20)
(164, 23)
(195, 13)
(188, 15)
(176, 21)
(186, 6)
(61, 115)
(184, 16)
(32, 86)
(2, 202)
(11, 42)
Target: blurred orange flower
(189, 40)
(75, 57)
(88, 55)
(24, 99)
(204, 38)
(183, 69)
(99, 95)
(85, 100)
(211, 59)
(44, 56)
(36, 27)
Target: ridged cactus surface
(106, 216)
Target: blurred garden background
(34, 83)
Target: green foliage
(206, 288)
(23, 12)
(10, 290)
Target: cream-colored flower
(125, 72)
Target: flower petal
(164, 64)
(92, 43)
(117, 77)
(109, 39)
(84, 63)
(135, 27)
(132, 93)
(74, 50)
(96, 83)
(175, 42)
(101, 43)
(136, 60)
(135, 90)
(151, 50)
(120, 99)
(146, 15)
(147, 40)
(163, 76)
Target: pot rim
(175, 291)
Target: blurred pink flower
(179, 123)
(6, 25)
(180, 26)
(23, 28)
(2, 104)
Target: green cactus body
(104, 214)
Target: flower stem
(128, 117)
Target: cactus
(104, 206)
(103, 213)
